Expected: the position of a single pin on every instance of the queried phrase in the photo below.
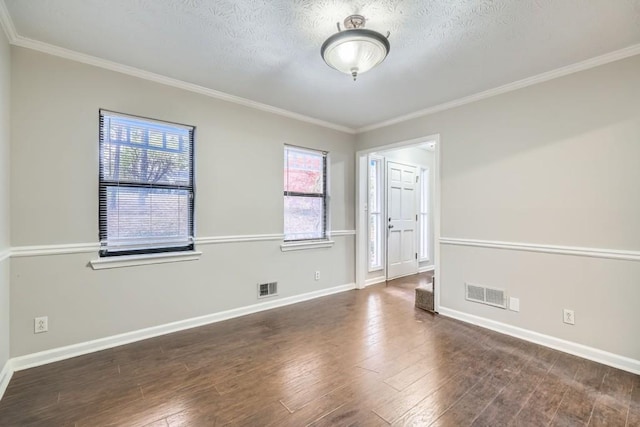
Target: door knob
(390, 226)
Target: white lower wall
(600, 291)
(85, 304)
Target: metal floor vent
(484, 295)
(267, 289)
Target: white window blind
(305, 195)
(146, 194)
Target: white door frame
(361, 213)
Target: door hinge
(416, 217)
(416, 255)
(417, 178)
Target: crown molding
(14, 38)
(7, 23)
(50, 49)
(519, 84)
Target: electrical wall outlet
(568, 317)
(514, 304)
(40, 325)
(317, 275)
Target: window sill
(146, 259)
(299, 246)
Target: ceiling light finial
(355, 50)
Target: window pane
(147, 216)
(375, 217)
(424, 190)
(373, 185)
(303, 171)
(146, 185)
(424, 213)
(424, 236)
(374, 241)
(303, 218)
(145, 152)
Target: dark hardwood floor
(365, 358)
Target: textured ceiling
(268, 50)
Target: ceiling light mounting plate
(354, 21)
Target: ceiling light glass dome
(355, 50)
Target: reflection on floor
(363, 357)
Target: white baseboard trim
(580, 350)
(67, 352)
(375, 281)
(5, 376)
(427, 268)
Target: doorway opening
(398, 211)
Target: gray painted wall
(5, 83)
(555, 163)
(239, 163)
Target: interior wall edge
(5, 376)
(580, 350)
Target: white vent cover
(267, 289)
(484, 295)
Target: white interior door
(402, 258)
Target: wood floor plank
(605, 415)
(365, 357)
(427, 410)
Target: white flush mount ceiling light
(355, 50)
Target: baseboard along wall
(67, 352)
(580, 350)
(61, 353)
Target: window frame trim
(325, 238)
(104, 184)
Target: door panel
(401, 216)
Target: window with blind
(146, 193)
(425, 214)
(375, 213)
(305, 195)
